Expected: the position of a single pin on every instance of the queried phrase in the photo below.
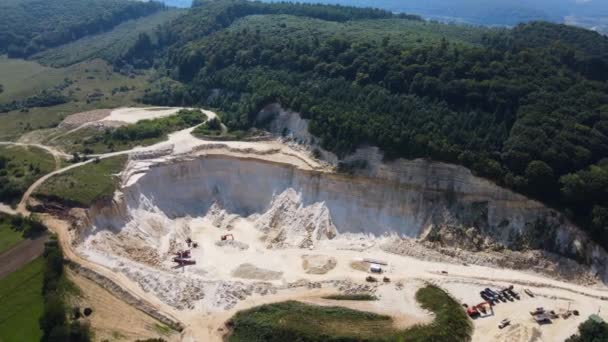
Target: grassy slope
(84, 138)
(8, 237)
(22, 78)
(21, 304)
(95, 140)
(24, 155)
(84, 185)
(89, 78)
(107, 45)
(26, 165)
(291, 321)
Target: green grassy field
(89, 140)
(93, 84)
(22, 78)
(84, 185)
(294, 321)
(21, 304)
(19, 168)
(8, 237)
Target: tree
(590, 331)
(540, 177)
(53, 318)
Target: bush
(591, 331)
(54, 321)
(295, 321)
(154, 129)
(362, 297)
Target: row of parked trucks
(492, 297)
(496, 296)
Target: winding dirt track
(57, 155)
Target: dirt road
(57, 155)
(21, 254)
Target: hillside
(588, 14)
(524, 107)
(31, 26)
(109, 45)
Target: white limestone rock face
(285, 123)
(289, 223)
(296, 208)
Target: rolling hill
(589, 14)
(31, 26)
(525, 107)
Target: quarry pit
(265, 221)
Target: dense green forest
(30, 26)
(526, 107)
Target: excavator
(183, 254)
(182, 258)
(181, 262)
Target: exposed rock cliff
(439, 203)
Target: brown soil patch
(114, 320)
(360, 266)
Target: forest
(526, 107)
(492, 13)
(31, 26)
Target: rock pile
(318, 264)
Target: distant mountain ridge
(590, 14)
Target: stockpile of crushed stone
(318, 264)
(234, 244)
(249, 271)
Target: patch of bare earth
(79, 119)
(113, 319)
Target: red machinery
(476, 310)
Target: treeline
(55, 324)
(142, 132)
(156, 128)
(28, 227)
(30, 26)
(526, 107)
(15, 178)
(208, 16)
(45, 98)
